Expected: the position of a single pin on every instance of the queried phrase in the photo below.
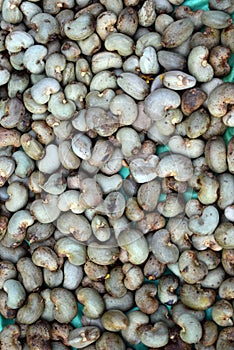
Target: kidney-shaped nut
(178, 80)
(197, 298)
(218, 58)
(65, 305)
(198, 65)
(144, 170)
(18, 40)
(32, 147)
(34, 59)
(216, 19)
(191, 100)
(45, 210)
(219, 99)
(145, 298)
(226, 289)
(18, 196)
(39, 232)
(209, 186)
(45, 257)
(162, 248)
(167, 289)
(102, 254)
(69, 247)
(30, 273)
(226, 190)
(80, 28)
(187, 147)
(224, 235)
(135, 244)
(82, 337)
(136, 319)
(177, 32)
(42, 90)
(16, 294)
(215, 154)
(191, 328)
(17, 226)
(7, 271)
(105, 24)
(206, 223)
(38, 334)
(75, 224)
(176, 165)
(227, 37)
(119, 42)
(191, 269)
(9, 137)
(222, 313)
(210, 333)
(147, 14)
(105, 60)
(159, 101)
(114, 320)
(149, 62)
(153, 335)
(92, 301)
(133, 85)
(32, 310)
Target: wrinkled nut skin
(9, 137)
(186, 12)
(227, 37)
(218, 59)
(191, 269)
(145, 298)
(175, 341)
(60, 331)
(38, 335)
(109, 340)
(9, 337)
(192, 100)
(225, 339)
